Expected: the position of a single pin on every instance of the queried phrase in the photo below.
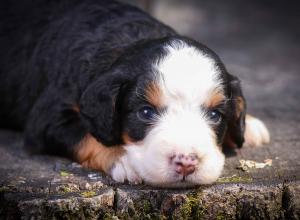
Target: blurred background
(258, 40)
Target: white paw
(256, 133)
(122, 171)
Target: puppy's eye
(146, 113)
(214, 115)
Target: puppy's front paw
(122, 171)
(256, 133)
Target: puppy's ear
(234, 137)
(100, 108)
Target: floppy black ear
(234, 136)
(99, 106)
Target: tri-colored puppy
(111, 87)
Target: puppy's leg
(256, 133)
(92, 154)
(122, 171)
(112, 160)
(55, 127)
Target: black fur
(236, 122)
(60, 56)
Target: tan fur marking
(94, 155)
(214, 99)
(76, 108)
(126, 138)
(240, 106)
(153, 94)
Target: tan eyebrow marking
(153, 94)
(215, 98)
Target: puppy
(107, 85)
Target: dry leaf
(249, 164)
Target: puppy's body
(45, 44)
(116, 90)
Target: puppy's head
(173, 106)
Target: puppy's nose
(185, 164)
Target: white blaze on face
(186, 78)
(187, 75)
